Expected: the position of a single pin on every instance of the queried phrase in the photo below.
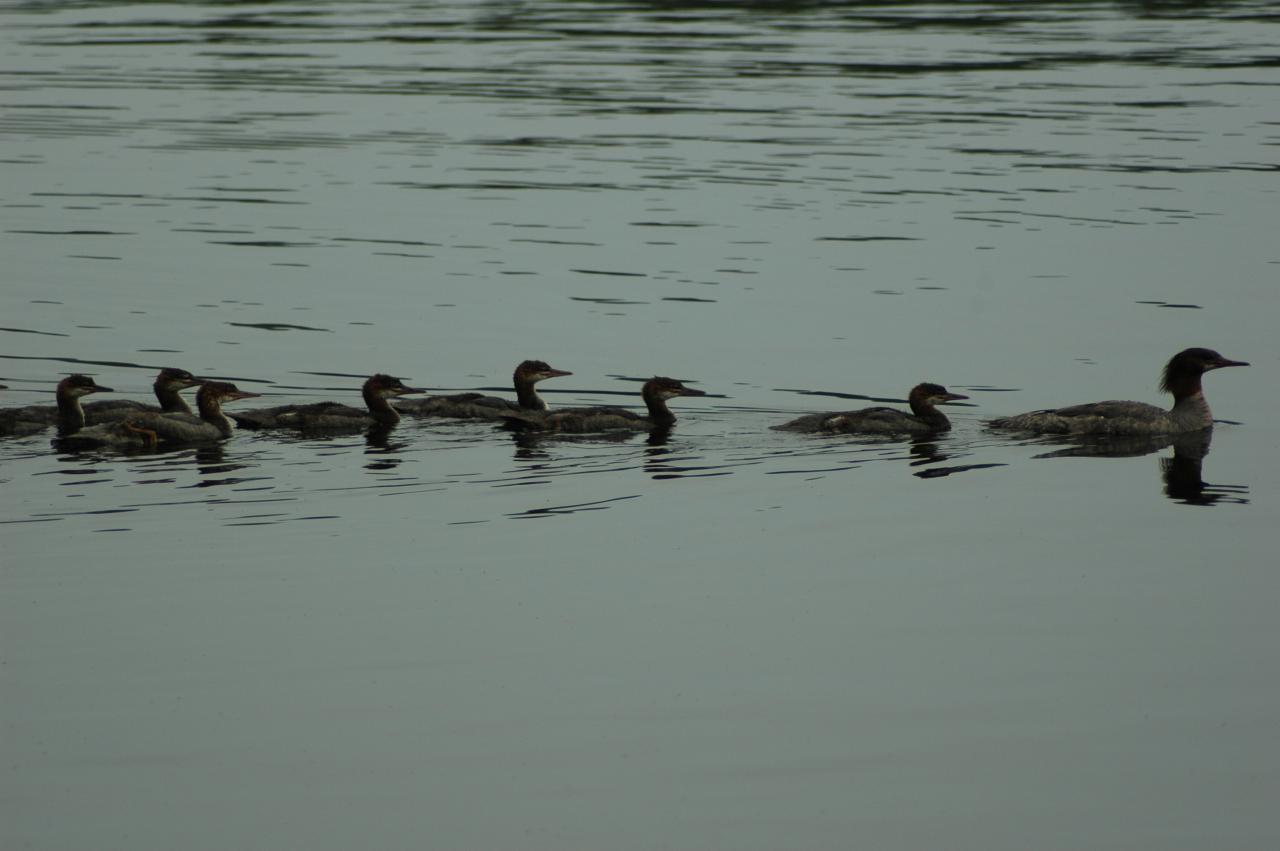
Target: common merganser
(149, 429)
(67, 414)
(655, 392)
(477, 406)
(333, 416)
(167, 385)
(1181, 378)
(923, 419)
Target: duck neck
(211, 412)
(379, 407)
(171, 401)
(70, 414)
(930, 415)
(658, 410)
(1191, 411)
(527, 395)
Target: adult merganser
(923, 419)
(1181, 378)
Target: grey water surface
(450, 637)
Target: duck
(68, 413)
(924, 418)
(166, 387)
(477, 406)
(655, 392)
(333, 416)
(149, 429)
(1181, 379)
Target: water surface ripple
(722, 636)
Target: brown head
(659, 387)
(75, 386)
(931, 394)
(533, 371)
(1181, 375)
(218, 392)
(171, 378)
(382, 386)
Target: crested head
(384, 386)
(933, 394)
(172, 378)
(78, 385)
(537, 370)
(661, 387)
(1182, 373)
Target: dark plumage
(923, 419)
(1181, 378)
(655, 392)
(67, 414)
(149, 428)
(333, 416)
(477, 406)
(166, 387)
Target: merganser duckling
(477, 406)
(67, 414)
(923, 419)
(149, 429)
(331, 416)
(1181, 378)
(167, 385)
(655, 392)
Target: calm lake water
(734, 638)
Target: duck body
(1181, 378)
(462, 406)
(28, 419)
(1110, 417)
(478, 406)
(924, 418)
(148, 429)
(655, 392)
(333, 416)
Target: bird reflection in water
(659, 436)
(927, 451)
(1181, 473)
(213, 466)
(383, 453)
(661, 463)
(534, 444)
(529, 447)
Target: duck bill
(1226, 362)
(241, 394)
(953, 397)
(689, 391)
(405, 391)
(556, 373)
